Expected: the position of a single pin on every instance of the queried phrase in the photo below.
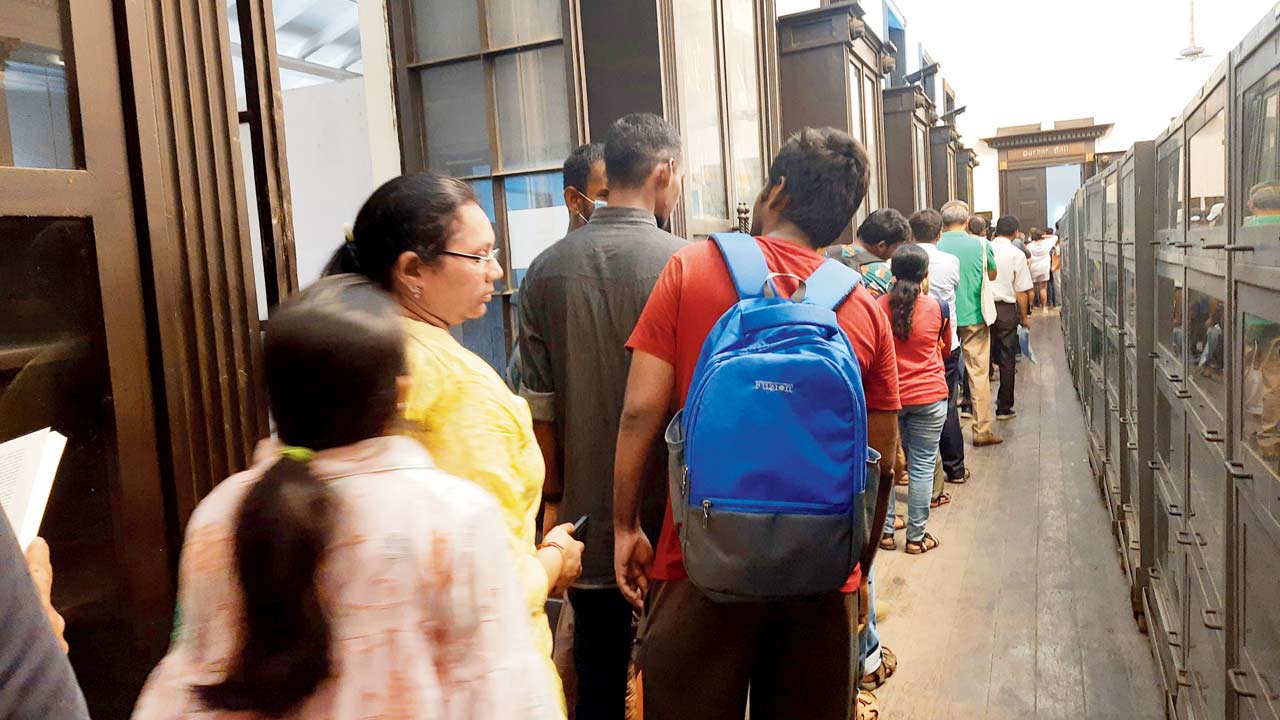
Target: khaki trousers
(975, 340)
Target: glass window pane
(921, 149)
(1169, 177)
(514, 22)
(455, 110)
(445, 28)
(536, 217)
(1260, 390)
(1262, 151)
(869, 112)
(1111, 224)
(744, 99)
(484, 195)
(1206, 350)
(1207, 165)
(54, 372)
(39, 117)
(1169, 303)
(700, 108)
(533, 108)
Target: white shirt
(1012, 274)
(1041, 254)
(944, 277)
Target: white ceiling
(317, 41)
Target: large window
(1262, 151)
(718, 77)
(488, 101)
(1207, 166)
(1169, 189)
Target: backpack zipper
(706, 512)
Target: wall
(330, 170)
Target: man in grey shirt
(579, 303)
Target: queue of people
(384, 555)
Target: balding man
(976, 259)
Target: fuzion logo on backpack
(766, 486)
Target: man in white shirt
(944, 277)
(1013, 281)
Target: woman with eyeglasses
(425, 239)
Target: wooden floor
(1023, 611)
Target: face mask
(595, 205)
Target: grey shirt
(36, 680)
(579, 303)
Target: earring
(417, 293)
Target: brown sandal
(888, 665)
(866, 706)
(887, 542)
(922, 546)
(943, 499)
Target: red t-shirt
(695, 290)
(922, 376)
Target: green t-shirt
(970, 249)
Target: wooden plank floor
(1023, 611)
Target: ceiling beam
(336, 28)
(351, 58)
(302, 66)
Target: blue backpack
(769, 456)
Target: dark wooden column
(942, 157)
(194, 235)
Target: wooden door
(73, 338)
(1026, 197)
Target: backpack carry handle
(770, 290)
(830, 284)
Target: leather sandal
(923, 545)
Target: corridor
(1023, 612)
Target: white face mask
(595, 205)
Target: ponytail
(902, 306)
(284, 525)
(910, 268)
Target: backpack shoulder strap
(746, 263)
(830, 284)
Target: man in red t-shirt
(700, 657)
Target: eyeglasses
(479, 259)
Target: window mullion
(726, 109)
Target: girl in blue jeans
(921, 334)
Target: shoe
(988, 439)
(1007, 415)
(966, 414)
(962, 479)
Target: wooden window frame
(409, 108)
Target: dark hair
(926, 225)
(826, 175)
(634, 145)
(1036, 233)
(1007, 226)
(977, 226)
(885, 226)
(331, 358)
(409, 213)
(910, 267)
(577, 167)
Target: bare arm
(553, 483)
(650, 387)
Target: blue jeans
(920, 427)
(869, 655)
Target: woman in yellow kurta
(424, 238)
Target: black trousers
(952, 443)
(1004, 352)
(602, 636)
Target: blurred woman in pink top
(344, 575)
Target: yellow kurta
(477, 429)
